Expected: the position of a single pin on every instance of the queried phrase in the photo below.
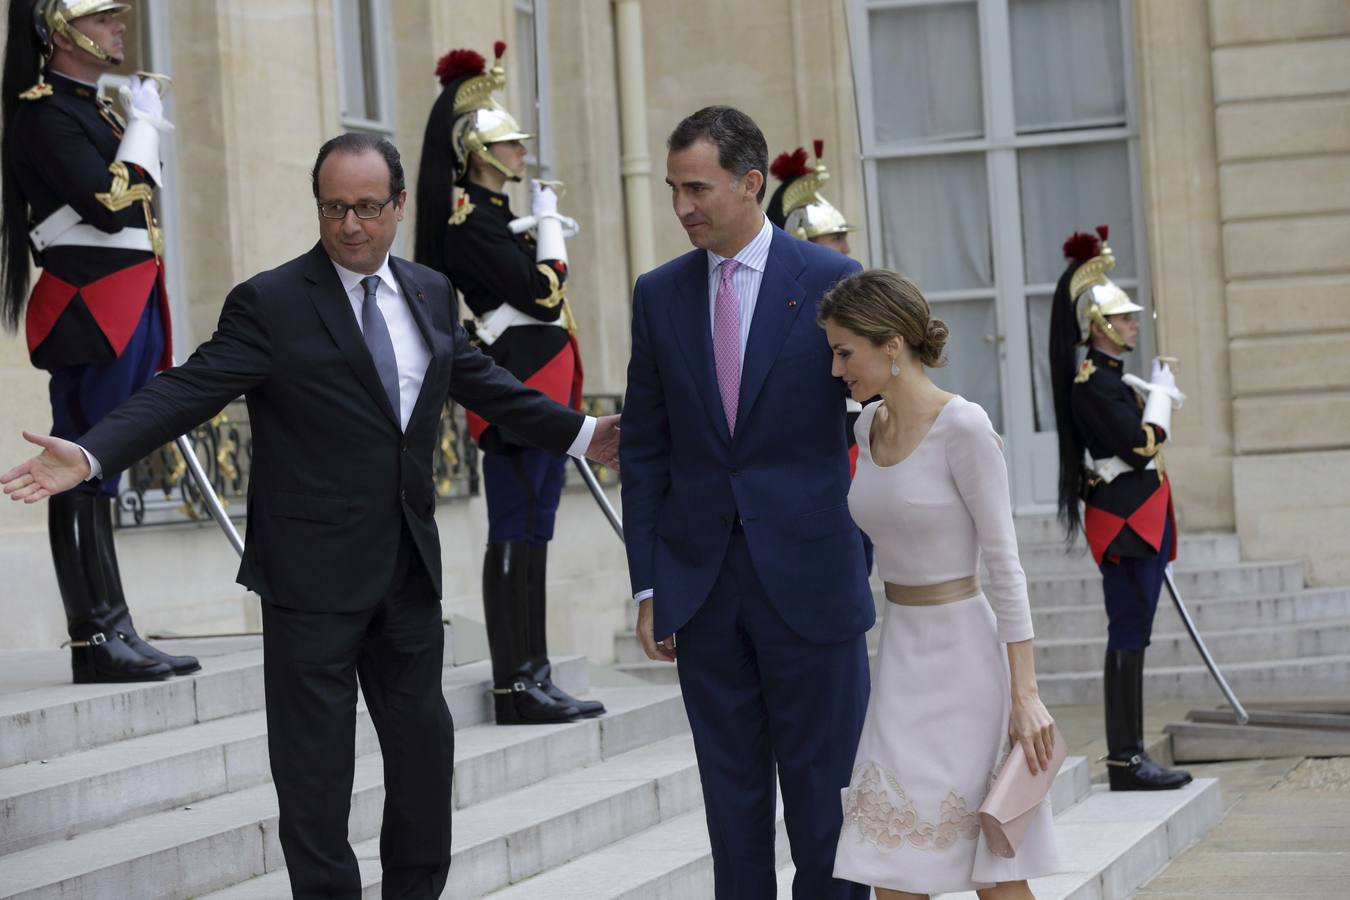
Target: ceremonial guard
(515, 284)
(1112, 427)
(797, 206)
(78, 188)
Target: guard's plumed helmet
(1094, 295)
(797, 206)
(51, 17)
(479, 119)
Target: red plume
(820, 148)
(1081, 246)
(499, 48)
(458, 64)
(1102, 231)
(790, 165)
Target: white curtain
(926, 73)
(1068, 66)
(935, 221)
(972, 355)
(1074, 187)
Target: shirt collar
(752, 254)
(352, 280)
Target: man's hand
(663, 651)
(141, 100)
(543, 199)
(1161, 374)
(59, 467)
(604, 446)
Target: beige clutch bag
(1011, 804)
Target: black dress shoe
(1139, 773)
(106, 659)
(588, 709)
(523, 703)
(179, 665)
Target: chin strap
(1095, 316)
(476, 146)
(60, 25)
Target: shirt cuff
(95, 470)
(642, 595)
(583, 439)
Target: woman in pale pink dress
(955, 680)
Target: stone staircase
(1273, 636)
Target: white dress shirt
(410, 351)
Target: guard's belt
(1110, 468)
(65, 228)
(490, 327)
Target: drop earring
(895, 369)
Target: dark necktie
(381, 346)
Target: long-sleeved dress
(937, 721)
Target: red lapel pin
(792, 303)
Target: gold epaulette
(557, 290)
(1150, 447)
(462, 210)
(37, 91)
(122, 193)
(1085, 371)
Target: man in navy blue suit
(743, 558)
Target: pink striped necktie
(727, 343)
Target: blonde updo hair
(879, 304)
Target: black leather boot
(538, 636)
(98, 655)
(1128, 767)
(109, 579)
(516, 695)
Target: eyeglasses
(365, 209)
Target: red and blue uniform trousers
(1133, 552)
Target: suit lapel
(780, 300)
(328, 297)
(438, 342)
(692, 326)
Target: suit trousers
(312, 662)
(760, 698)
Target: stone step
(523, 833)
(1038, 529)
(1210, 614)
(76, 793)
(51, 721)
(1194, 550)
(674, 860)
(223, 840)
(1250, 679)
(1328, 637)
(1218, 581)
(1111, 844)
(653, 671)
(1209, 741)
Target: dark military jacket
(491, 267)
(88, 301)
(1125, 517)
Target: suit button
(403, 495)
(403, 448)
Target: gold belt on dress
(933, 594)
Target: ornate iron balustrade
(158, 490)
(596, 405)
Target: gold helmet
(1095, 297)
(479, 119)
(55, 17)
(797, 206)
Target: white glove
(543, 201)
(1161, 375)
(141, 100)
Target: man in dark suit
(740, 543)
(346, 356)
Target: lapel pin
(421, 296)
(792, 303)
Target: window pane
(1074, 188)
(972, 368)
(356, 60)
(926, 73)
(1068, 64)
(1038, 336)
(935, 221)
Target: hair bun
(934, 343)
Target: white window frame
(383, 70)
(1000, 144)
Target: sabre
(599, 494)
(1186, 620)
(209, 498)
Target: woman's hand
(1031, 725)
